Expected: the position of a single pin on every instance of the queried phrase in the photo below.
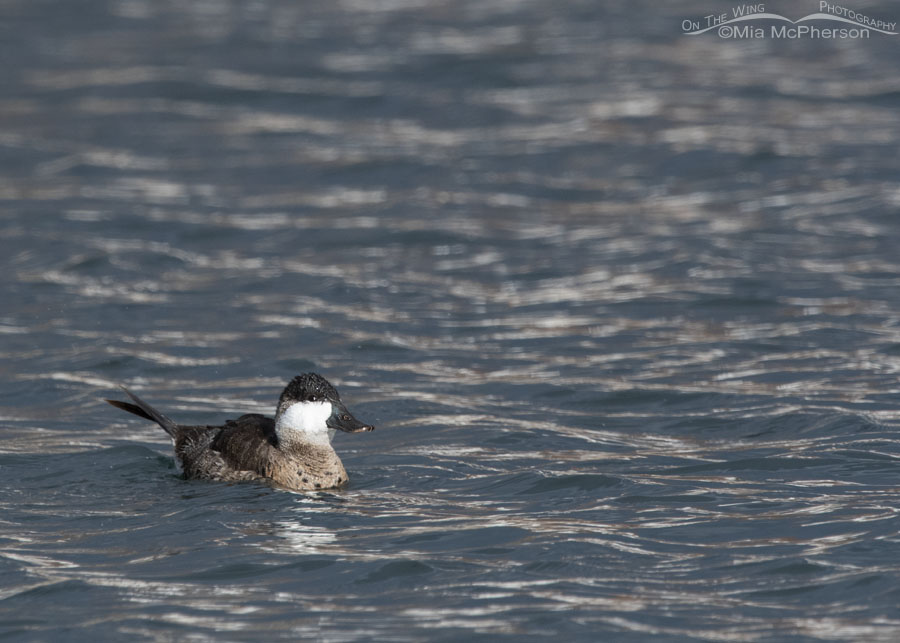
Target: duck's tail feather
(144, 410)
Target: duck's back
(239, 450)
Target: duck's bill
(342, 420)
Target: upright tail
(144, 410)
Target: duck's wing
(247, 443)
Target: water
(623, 304)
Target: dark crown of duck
(309, 387)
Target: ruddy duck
(293, 450)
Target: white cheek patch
(304, 421)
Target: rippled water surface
(623, 303)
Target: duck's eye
(313, 398)
(345, 417)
